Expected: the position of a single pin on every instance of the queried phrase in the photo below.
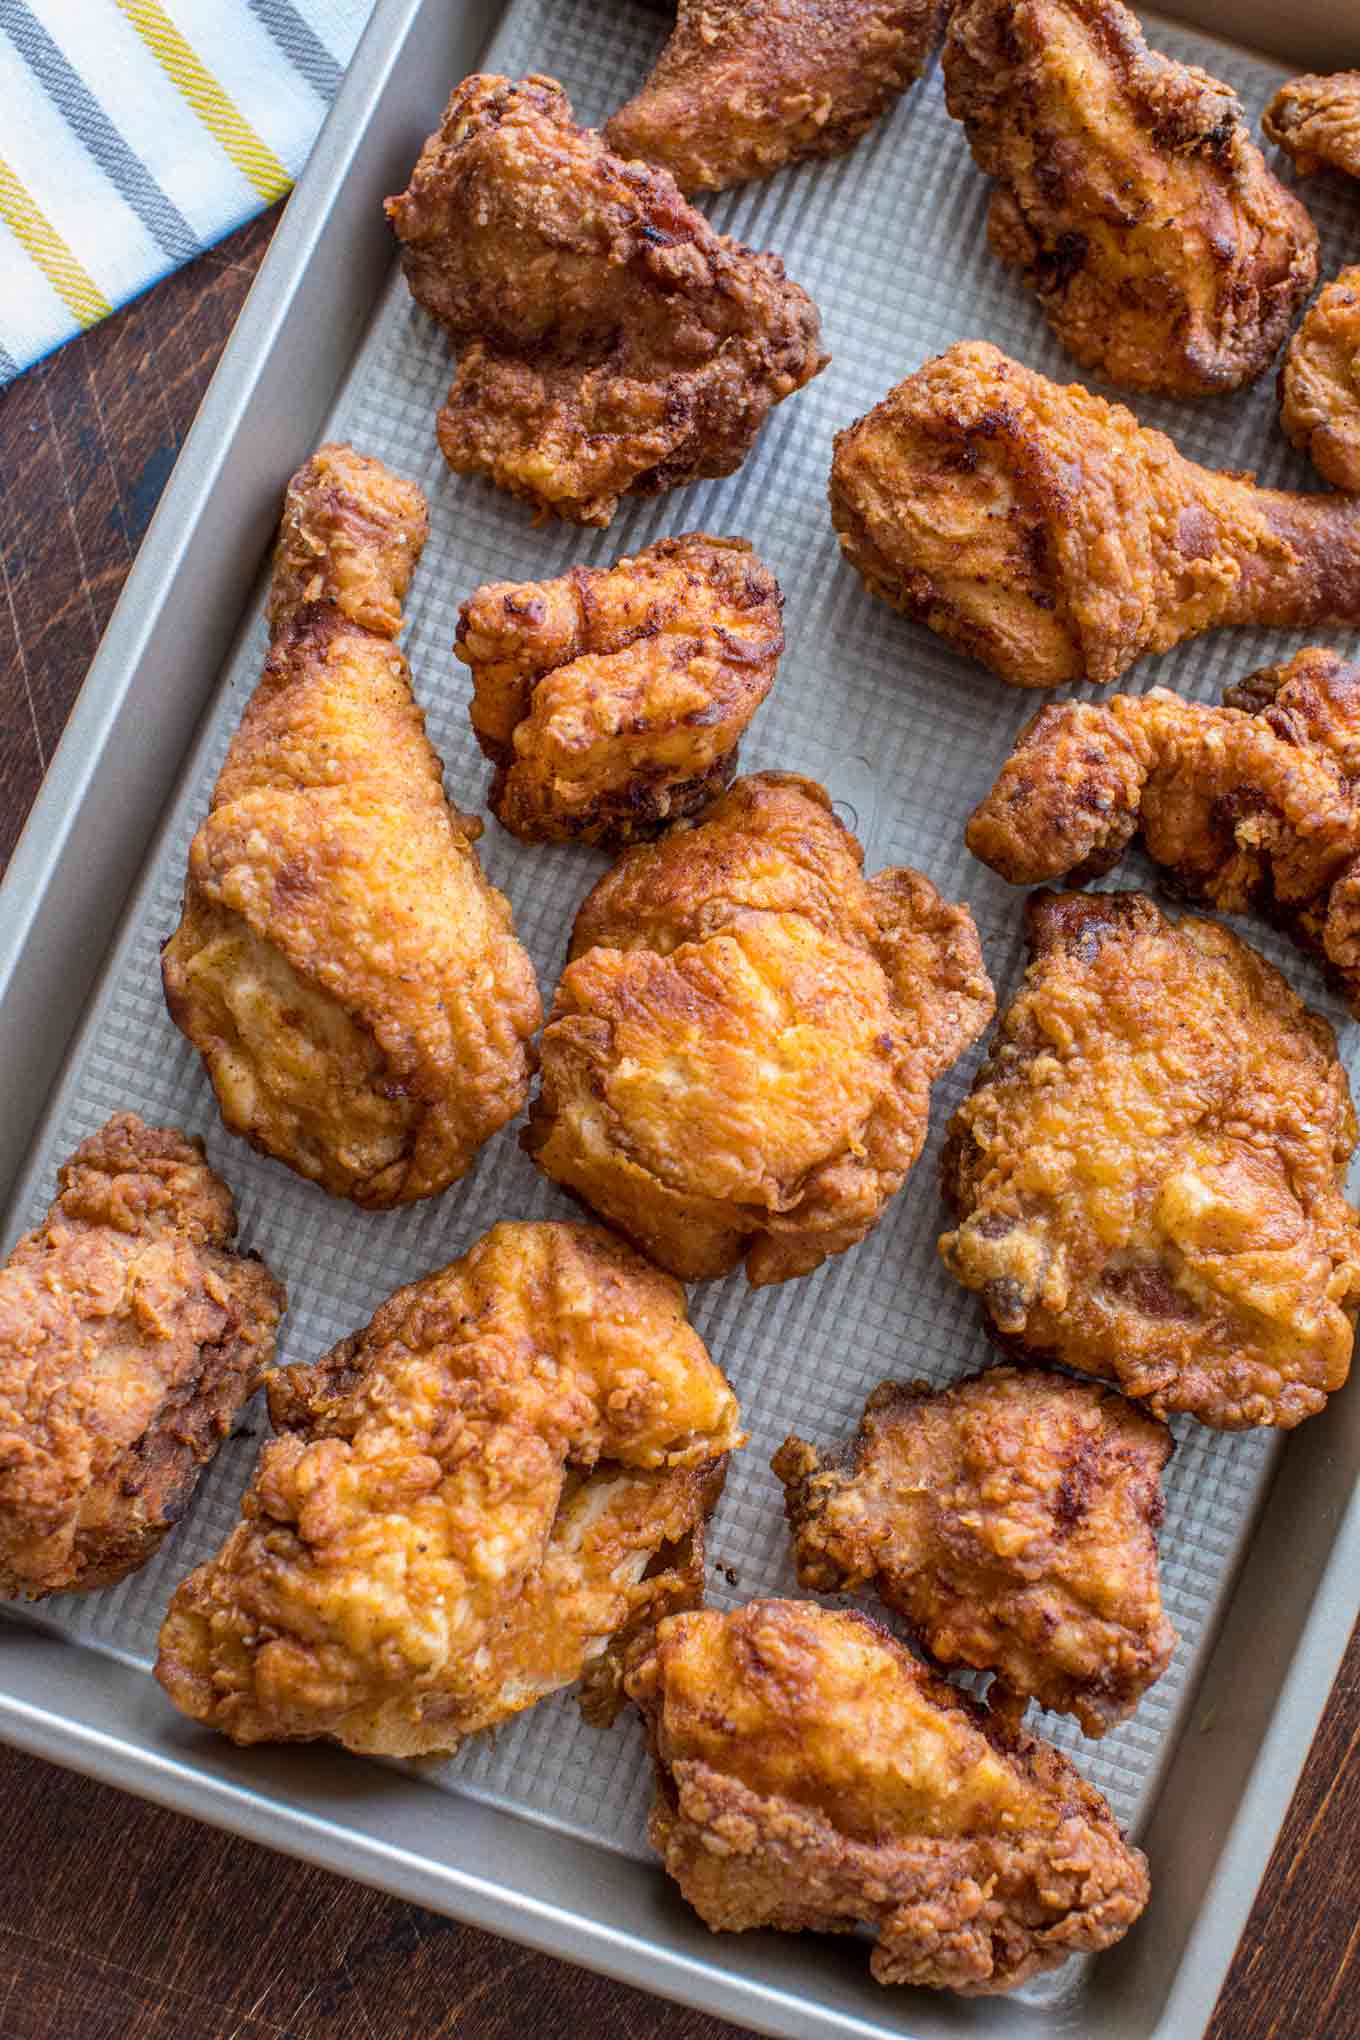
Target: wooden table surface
(120, 1922)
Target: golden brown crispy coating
(810, 1774)
(1316, 120)
(1129, 194)
(130, 1337)
(349, 977)
(1320, 383)
(745, 86)
(471, 1502)
(1048, 534)
(611, 701)
(1148, 1173)
(1011, 1518)
(1251, 806)
(738, 1062)
(611, 342)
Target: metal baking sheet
(536, 1830)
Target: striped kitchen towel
(135, 133)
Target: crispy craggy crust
(1316, 120)
(745, 86)
(738, 1062)
(130, 1337)
(349, 977)
(810, 1774)
(483, 1495)
(1148, 1173)
(1048, 534)
(1252, 806)
(1320, 383)
(610, 341)
(1011, 1518)
(1129, 194)
(612, 700)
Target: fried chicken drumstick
(738, 1062)
(1254, 805)
(1051, 536)
(1320, 383)
(349, 977)
(131, 1336)
(1316, 120)
(745, 86)
(482, 1496)
(1011, 1518)
(810, 1774)
(611, 701)
(610, 341)
(1129, 194)
(1148, 1172)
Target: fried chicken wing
(482, 1496)
(1251, 806)
(612, 701)
(131, 1335)
(1048, 534)
(1316, 120)
(739, 1058)
(1320, 383)
(351, 980)
(610, 341)
(811, 1775)
(1148, 1173)
(1129, 194)
(745, 86)
(1011, 1518)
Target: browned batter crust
(131, 1335)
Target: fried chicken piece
(1048, 534)
(1129, 194)
(611, 342)
(611, 701)
(1316, 120)
(745, 86)
(351, 980)
(1011, 1518)
(485, 1494)
(738, 1062)
(131, 1335)
(1251, 806)
(1148, 1173)
(1320, 383)
(811, 1775)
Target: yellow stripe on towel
(33, 230)
(253, 157)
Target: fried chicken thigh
(1320, 383)
(1254, 805)
(611, 701)
(1011, 1518)
(745, 86)
(1129, 194)
(610, 341)
(739, 1058)
(349, 977)
(482, 1496)
(1048, 534)
(811, 1775)
(1316, 120)
(131, 1336)
(1148, 1173)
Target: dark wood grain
(120, 1922)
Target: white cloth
(138, 132)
